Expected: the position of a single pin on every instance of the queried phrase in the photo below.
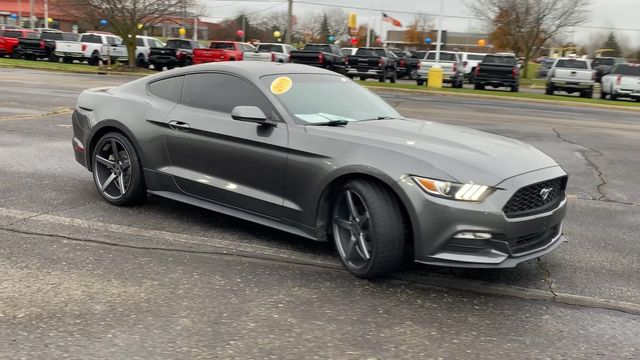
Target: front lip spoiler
(506, 260)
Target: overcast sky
(621, 14)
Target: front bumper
(369, 73)
(572, 85)
(437, 222)
(447, 77)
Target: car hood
(464, 154)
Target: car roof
(251, 69)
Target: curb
(97, 72)
(505, 98)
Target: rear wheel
(613, 96)
(117, 171)
(394, 78)
(419, 82)
(188, 61)
(54, 58)
(413, 73)
(515, 88)
(94, 60)
(549, 90)
(140, 61)
(368, 229)
(603, 95)
(383, 77)
(478, 86)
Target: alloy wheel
(112, 168)
(352, 230)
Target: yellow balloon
(276, 34)
(140, 26)
(49, 20)
(482, 42)
(182, 31)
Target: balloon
(482, 42)
(354, 41)
(427, 40)
(13, 16)
(276, 34)
(182, 31)
(378, 41)
(103, 22)
(331, 38)
(140, 26)
(240, 33)
(49, 20)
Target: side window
(222, 92)
(139, 42)
(168, 89)
(184, 45)
(111, 40)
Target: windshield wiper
(380, 118)
(330, 123)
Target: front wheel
(117, 171)
(419, 82)
(549, 90)
(515, 88)
(368, 229)
(603, 95)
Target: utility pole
(46, 14)
(19, 12)
(289, 22)
(31, 14)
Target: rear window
(502, 60)
(49, 35)
(18, 34)
(91, 38)
(223, 46)
(325, 48)
(69, 37)
(444, 56)
(603, 61)
(270, 48)
(475, 57)
(572, 64)
(627, 69)
(370, 52)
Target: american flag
(391, 20)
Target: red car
(222, 51)
(9, 39)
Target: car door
(236, 163)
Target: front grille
(531, 200)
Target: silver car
(252, 140)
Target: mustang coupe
(310, 152)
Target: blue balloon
(427, 40)
(332, 38)
(13, 16)
(103, 22)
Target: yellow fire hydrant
(435, 77)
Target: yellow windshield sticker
(281, 85)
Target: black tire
(382, 230)
(132, 177)
(383, 77)
(188, 61)
(413, 73)
(419, 82)
(140, 61)
(54, 59)
(478, 86)
(613, 96)
(394, 78)
(549, 90)
(157, 67)
(94, 60)
(472, 75)
(603, 95)
(67, 60)
(515, 88)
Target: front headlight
(454, 191)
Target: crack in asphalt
(48, 212)
(547, 277)
(57, 111)
(603, 181)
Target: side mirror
(251, 114)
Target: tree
(524, 26)
(127, 18)
(419, 29)
(324, 28)
(612, 46)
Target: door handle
(179, 125)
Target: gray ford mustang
(310, 152)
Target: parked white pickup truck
(452, 71)
(622, 81)
(270, 52)
(98, 47)
(143, 48)
(571, 75)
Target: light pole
(289, 22)
(46, 14)
(439, 40)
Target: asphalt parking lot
(82, 279)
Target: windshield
(603, 61)
(316, 98)
(264, 48)
(444, 56)
(626, 69)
